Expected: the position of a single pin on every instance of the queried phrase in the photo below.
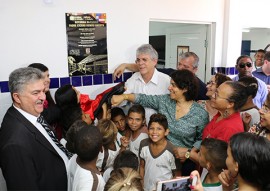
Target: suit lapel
(30, 127)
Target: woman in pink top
(228, 98)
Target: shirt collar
(31, 118)
(259, 69)
(154, 78)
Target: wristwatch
(187, 155)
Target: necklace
(183, 106)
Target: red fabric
(45, 104)
(89, 106)
(225, 128)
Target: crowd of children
(123, 153)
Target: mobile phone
(194, 181)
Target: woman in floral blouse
(185, 116)
(263, 128)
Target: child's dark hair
(216, 153)
(136, 108)
(88, 143)
(71, 133)
(108, 131)
(126, 159)
(252, 153)
(160, 119)
(116, 111)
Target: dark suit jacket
(27, 159)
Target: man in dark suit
(29, 159)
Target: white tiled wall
(92, 91)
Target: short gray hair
(190, 54)
(147, 49)
(21, 77)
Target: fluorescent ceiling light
(245, 30)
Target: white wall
(32, 31)
(259, 37)
(241, 14)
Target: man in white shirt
(148, 80)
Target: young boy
(70, 136)
(88, 144)
(136, 122)
(157, 161)
(119, 118)
(212, 157)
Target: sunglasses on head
(243, 65)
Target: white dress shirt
(158, 85)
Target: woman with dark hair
(228, 99)
(263, 128)
(248, 160)
(186, 118)
(211, 86)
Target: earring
(226, 114)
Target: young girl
(156, 153)
(248, 161)
(124, 179)
(110, 146)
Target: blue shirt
(262, 92)
(259, 74)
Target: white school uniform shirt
(134, 144)
(71, 169)
(111, 156)
(158, 85)
(157, 168)
(83, 180)
(209, 187)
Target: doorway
(183, 36)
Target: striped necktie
(46, 126)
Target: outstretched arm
(121, 68)
(117, 99)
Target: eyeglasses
(217, 96)
(211, 83)
(265, 108)
(243, 65)
(138, 60)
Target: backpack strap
(106, 155)
(95, 181)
